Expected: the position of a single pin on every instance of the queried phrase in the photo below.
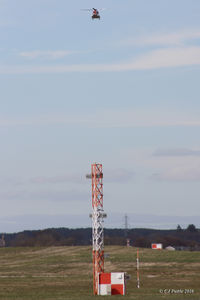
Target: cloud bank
(44, 195)
(182, 174)
(67, 178)
(46, 54)
(164, 39)
(156, 59)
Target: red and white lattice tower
(97, 223)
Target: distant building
(156, 246)
(170, 248)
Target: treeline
(49, 237)
(189, 237)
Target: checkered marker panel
(156, 246)
(111, 284)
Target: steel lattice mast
(97, 223)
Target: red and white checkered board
(156, 246)
(115, 280)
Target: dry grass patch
(60, 273)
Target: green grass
(60, 273)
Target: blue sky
(122, 91)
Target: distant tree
(170, 240)
(191, 228)
(114, 240)
(179, 228)
(142, 242)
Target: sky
(122, 91)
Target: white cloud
(156, 59)
(183, 173)
(46, 54)
(164, 39)
(165, 58)
(72, 178)
(176, 164)
(44, 195)
(167, 168)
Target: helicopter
(95, 13)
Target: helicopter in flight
(95, 13)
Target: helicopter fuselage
(96, 17)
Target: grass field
(59, 273)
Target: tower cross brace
(97, 223)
